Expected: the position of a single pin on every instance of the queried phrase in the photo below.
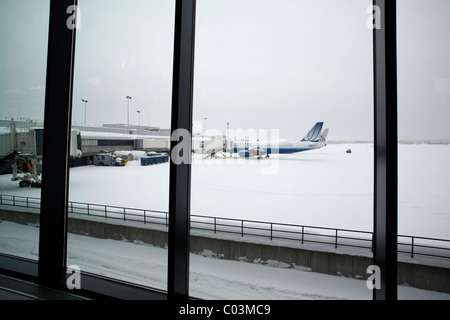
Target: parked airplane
(314, 139)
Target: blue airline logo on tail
(314, 134)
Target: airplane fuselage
(281, 149)
(314, 139)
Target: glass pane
(23, 60)
(423, 149)
(121, 109)
(277, 227)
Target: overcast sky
(259, 64)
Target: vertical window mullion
(56, 144)
(180, 174)
(385, 188)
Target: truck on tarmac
(108, 159)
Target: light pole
(85, 102)
(139, 118)
(128, 113)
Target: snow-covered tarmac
(325, 188)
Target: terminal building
(26, 137)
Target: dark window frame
(386, 150)
(51, 267)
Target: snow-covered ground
(325, 188)
(210, 278)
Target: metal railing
(411, 245)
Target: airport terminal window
(282, 72)
(123, 76)
(423, 145)
(106, 143)
(240, 64)
(23, 57)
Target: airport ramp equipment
(8, 160)
(152, 159)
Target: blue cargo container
(144, 161)
(154, 158)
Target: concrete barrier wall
(105, 230)
(28, 218)
(332, 263)
(315, 261)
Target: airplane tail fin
(314, 134)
